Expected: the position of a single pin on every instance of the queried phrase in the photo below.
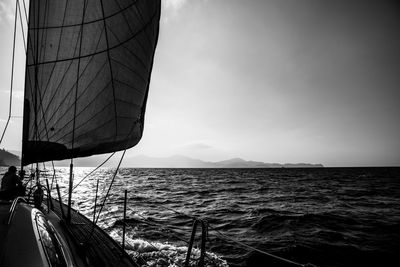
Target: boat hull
(79, 243)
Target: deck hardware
(203, 242)
(124, 222)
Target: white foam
(164, 254)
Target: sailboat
(88, 69)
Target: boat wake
(150, 253)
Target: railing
(163, 229)
(12, 208)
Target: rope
(90, 173)
(110, 67)
(161, 232)
(222, 236)
(175, 211)
(258, 250)
(22, 25)
(12, 73)
(109, 188)
(168, 228)
(162, 227)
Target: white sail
(87, 77)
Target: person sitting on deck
(11, 184)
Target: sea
(316, 216)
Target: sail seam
(130, 63)
(58, 50)
(132, 32)
(141, 17)
(62, 80)
(77, 85)
(84, 124)
(102, 51)
(59, 119)
(129, 86)
(38, 89)
(158, 14)
(70, 91)
(39, 134)
(43, 119)
(86, 23)
(110, 66)
(43, 44)
(133, 54)
(130, 69)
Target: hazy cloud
(175, 4)
(6, 11)
(196, 146)
(16, 94)
(170, 9)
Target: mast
(27, 108)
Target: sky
(266, 80)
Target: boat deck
(4, 209)
(98, 246)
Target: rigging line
(177, 212)
(145, 221)
(12, 74)
(109, 188)
(256, 249)
(87, 175)
(222, 235)
(116, 171)
(26, 15)
(54, 176)
(36, 73)
(110, 66)
(152, 245)
(22, 26)
(162, 227)
(29, 45)
(105, 50)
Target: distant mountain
(179, 161)
(176, 161)
(8, 159)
